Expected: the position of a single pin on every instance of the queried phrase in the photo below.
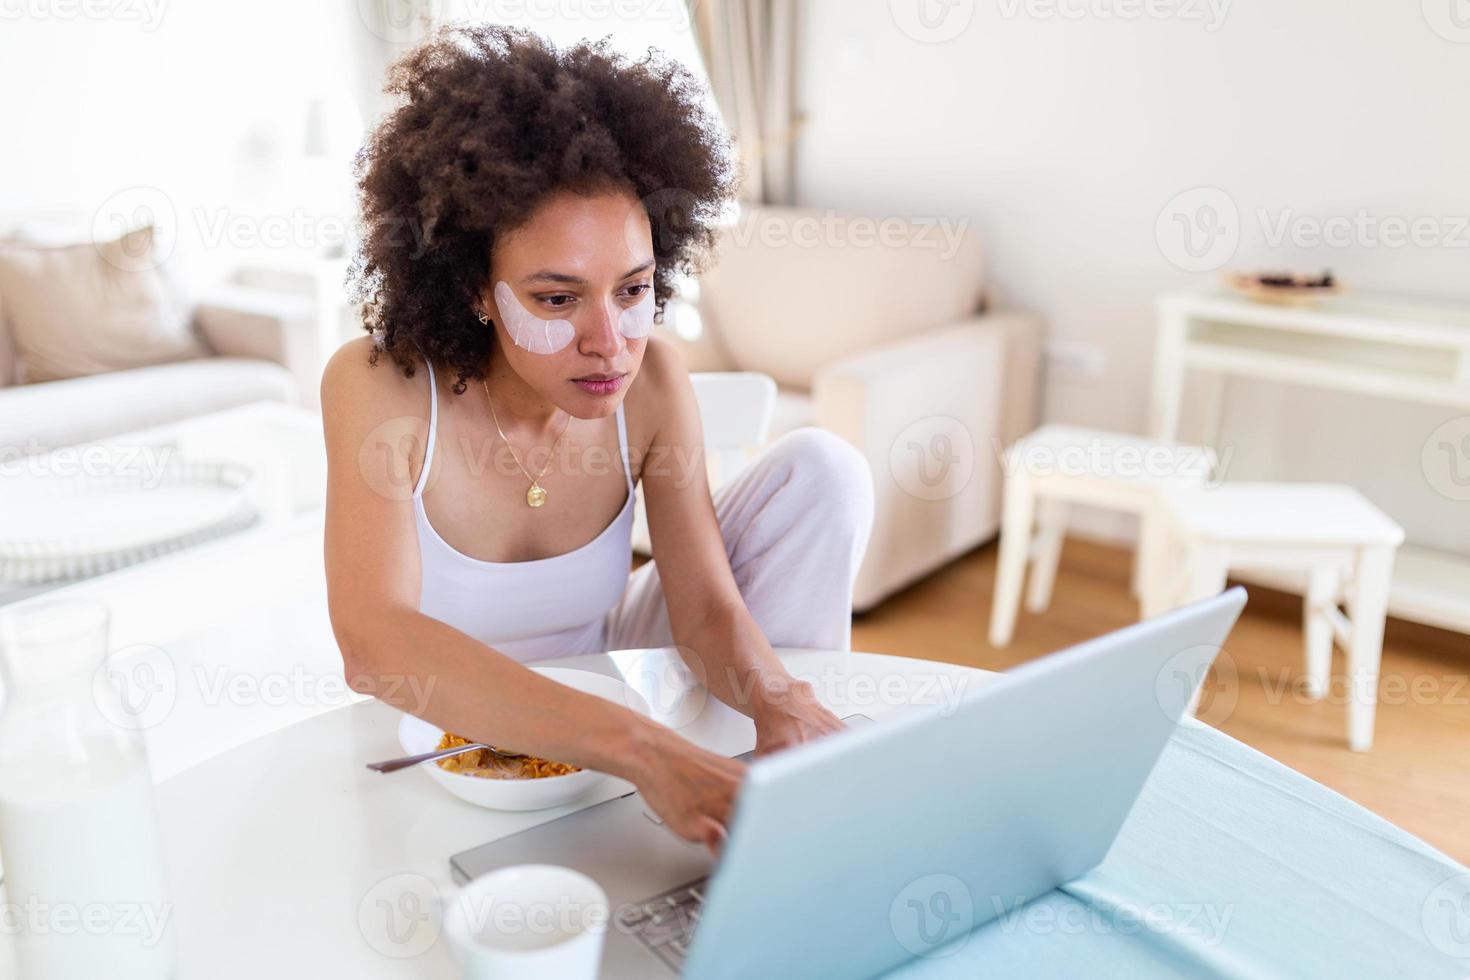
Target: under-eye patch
(636, 321)
(529, 331)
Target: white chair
(1058, 466)
(735, 410)
(1343, 544)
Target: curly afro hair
(492, 121)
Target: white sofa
(255, 337)
(868, 336)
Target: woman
(485, 441)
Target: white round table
(285, 852)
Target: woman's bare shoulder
(369, 402)
(357, 383)
(376, 420)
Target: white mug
(528, 920)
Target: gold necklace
(536, 493)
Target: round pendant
(535, 496)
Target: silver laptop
(857, 852)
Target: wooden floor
(1418, 772)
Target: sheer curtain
(749, 50)
(378, 33)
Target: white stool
(1057, 466)
(1342, 542)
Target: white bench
(1343, 543)
(1057, 466)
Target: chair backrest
(735, 409)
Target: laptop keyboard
(665, 923)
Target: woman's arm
(375, 431)
(714, 631)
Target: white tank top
(528, 610)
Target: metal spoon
(393, 765)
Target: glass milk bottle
(84, 878)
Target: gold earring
(483, 317)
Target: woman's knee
(835, 476)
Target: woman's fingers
(695, 793)
(714, 835)
(703, 828)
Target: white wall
(198, 110)
(194, 108)
(1063, 137)
(1060, 138)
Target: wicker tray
(1252, 288)
(60, 528)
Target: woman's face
(570, 295)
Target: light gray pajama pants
(795, 520)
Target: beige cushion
(85, 309)
(790, 289)
(7, 351)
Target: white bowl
(417, 735)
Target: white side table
(1344, 544)
(1057, 466)
(1414, 351)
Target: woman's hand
(789, 714)
(692, 790)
